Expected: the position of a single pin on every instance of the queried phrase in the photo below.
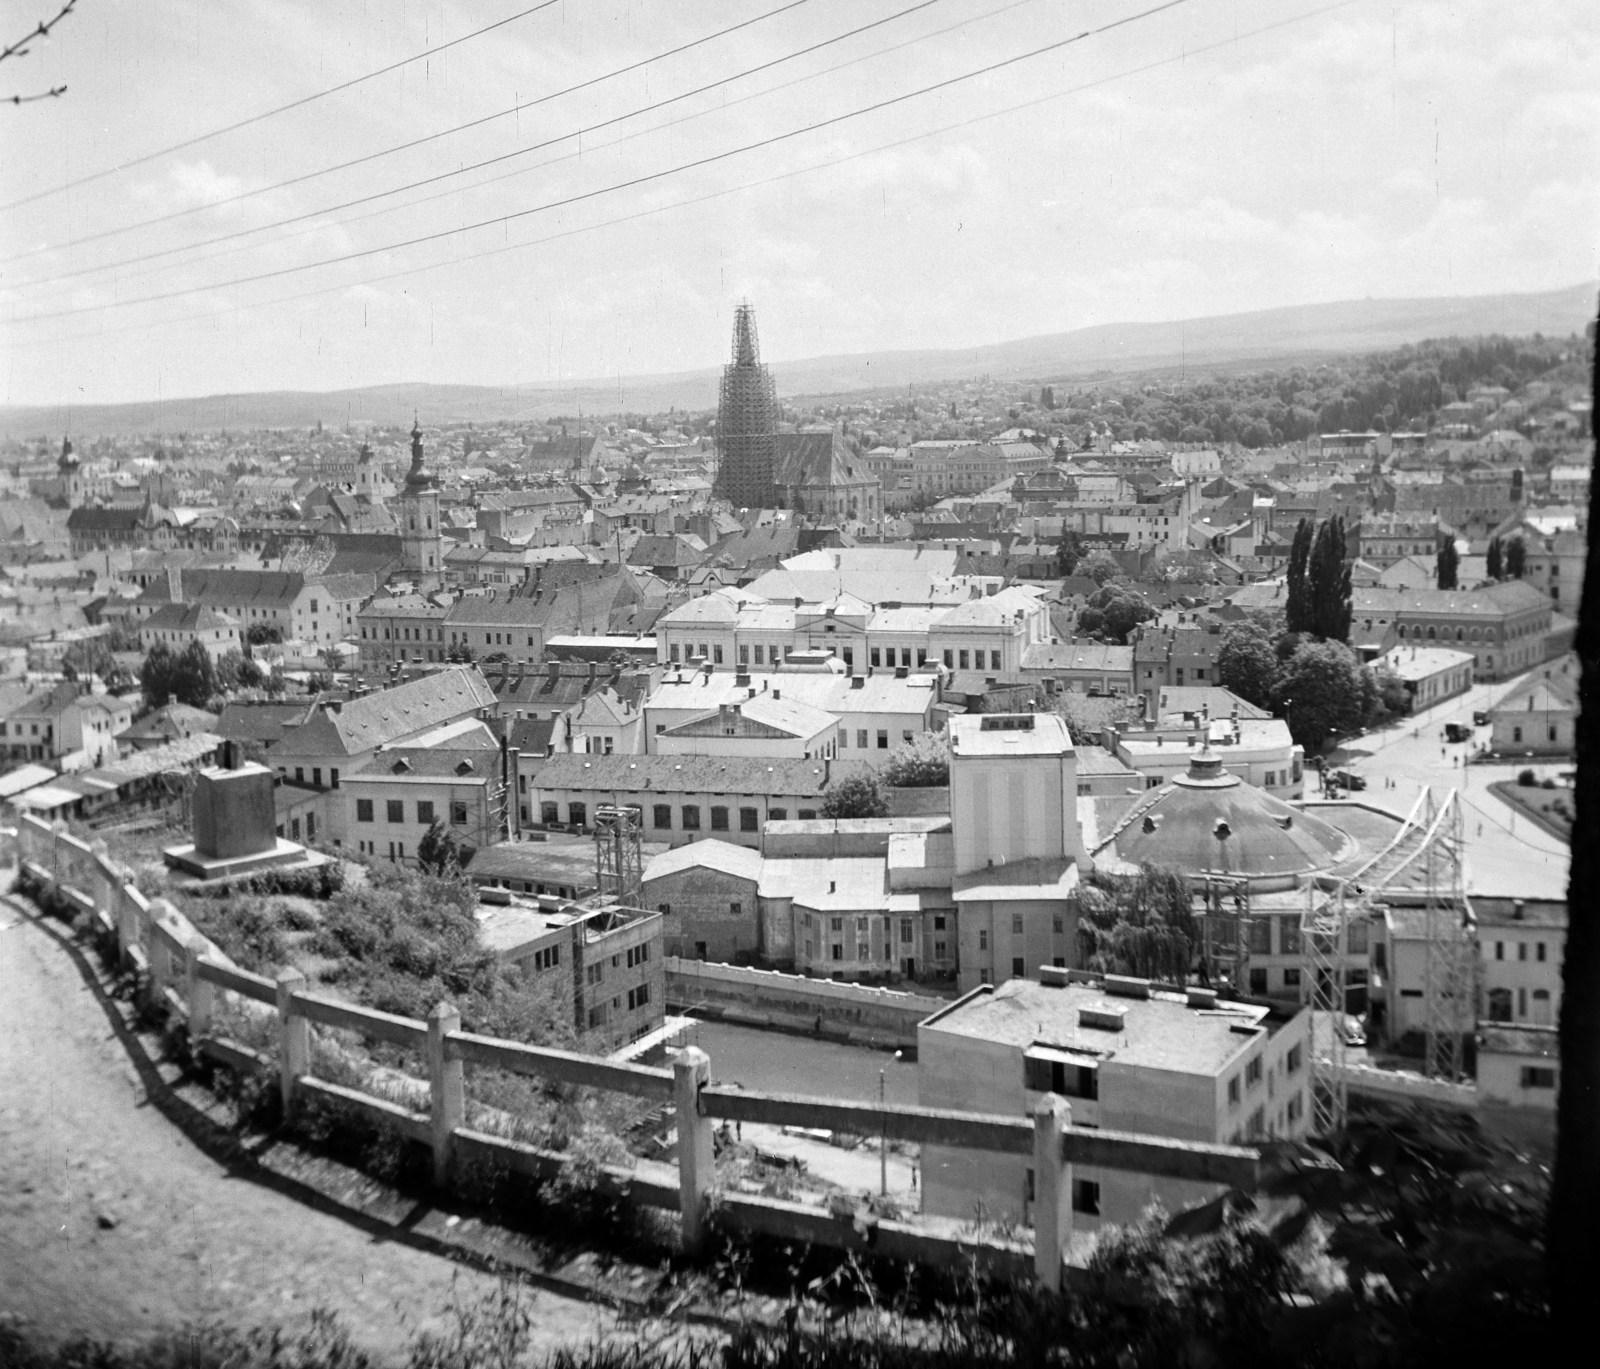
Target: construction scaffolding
(747, 422)
(619, 854)
(1225, 932)
(1423, 861)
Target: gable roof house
(339, 738)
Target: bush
(925, 764)
(1527, 779)
(1548, 784)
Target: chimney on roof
(553, 670)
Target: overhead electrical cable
(315, 227)
(652, 211)
(442, 133)
(317, 214)
(281, 109)
(648, 178)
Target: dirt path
(114, 1224)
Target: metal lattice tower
(1225, 931)
(1324, 943)
(747, 422)
(618, 854)
(1424, 860)
(1449, 992)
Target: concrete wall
(990, 945)
(1007, 809)
(701, 901)
(767, 997)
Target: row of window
(1522, 950)
(395, 811)
(689, 816)
(954, 659)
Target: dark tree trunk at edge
(1573, 1224)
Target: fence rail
(183, 972)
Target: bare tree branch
(20, 47)
(29, 99)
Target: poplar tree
(1497, 565)
(1448, 562)
(1328, 577)
(1297, 611)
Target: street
(1506, 854)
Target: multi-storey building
(736, 630)
(403, 791)
(1503, 626)
(1126, 1055)
(1381, 539)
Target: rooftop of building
(1413, 663)
(1207, 820)
(1009, 734)
(389, 715)
(1161, 1031)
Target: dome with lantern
(1210, 822)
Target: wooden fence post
(127, 925)
(200, 993)
(1052, 1190)
(446, 1087)
(696, 1160)
(294, 1037)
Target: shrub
(1527, 779)
(925, 764)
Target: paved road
(80, 1140)
(1506, 854)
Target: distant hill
(1266, 337)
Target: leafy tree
(1497, 564)
(1068, 553)
(856, 797)
(1516, 558)
(1247, 664)
(925, 764)
(237, 671)
(262, 634)
(1323, 692)
(1449, 559)
(1101, 567)
(1140, 926)
(318, 682)
(1298, 608)
(1328, 579)
(187, 676)
(1393, 697)
(1113, 611)
(439, 851)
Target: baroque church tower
(420, 532)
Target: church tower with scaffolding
(747, 422)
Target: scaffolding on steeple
(747, 422)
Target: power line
(506, 175)
(417, 142)
(270, 113)
(646, 179)
(318, 292)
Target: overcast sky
(1183, 164)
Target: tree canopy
(1140, 926)
(1324, 690)
(186, 677)
(856, 797)
(1113, 612)
(1448, 562)
(1247, 663)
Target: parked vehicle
(1480, 719)
(1457, 732)
(1353, 782)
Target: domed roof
(1210, 821)
(417, 478)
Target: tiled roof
(378, 719)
